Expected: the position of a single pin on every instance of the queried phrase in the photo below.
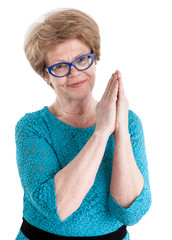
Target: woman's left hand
(122, 106)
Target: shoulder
(31, 121)
(134, 122)
(133, 117)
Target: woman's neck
(81, 114)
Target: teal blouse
(45, 145)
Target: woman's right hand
(106, 108)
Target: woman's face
(68, 52)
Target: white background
(136, 39)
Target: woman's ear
(47, 78)
(48, 81)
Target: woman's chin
(80, 93)
(80, 96)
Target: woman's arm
(129, 207)
(73, 182)
(126, 181)
(130, 196)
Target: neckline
(65, 124)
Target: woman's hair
(57, 27)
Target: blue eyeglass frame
(70, 65)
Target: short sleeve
(37, 165)
(131, 215)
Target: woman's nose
(74, 72)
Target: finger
(116, 90)
(121, 87)
(113, 90)
(118, 73)
(110, 86)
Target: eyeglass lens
(62, 69)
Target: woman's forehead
(67, 51)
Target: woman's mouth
(77, 84)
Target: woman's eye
(82, 59)
(60, 66)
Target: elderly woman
(82, 163)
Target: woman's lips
(78, 84)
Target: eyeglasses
(63, 69)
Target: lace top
(45, 145)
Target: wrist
(100, 133)
(121, 133)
